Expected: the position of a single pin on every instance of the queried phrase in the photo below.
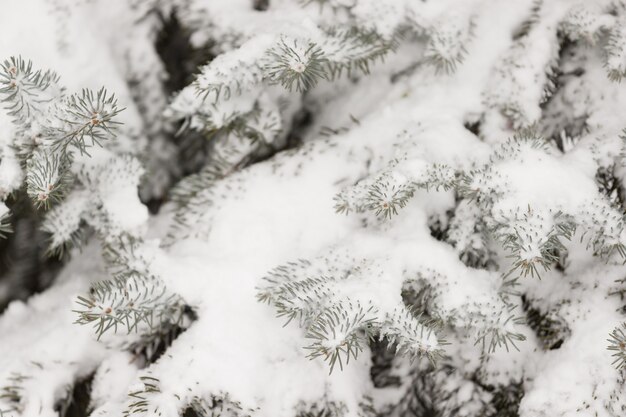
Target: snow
(282, 209)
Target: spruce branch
(263, 126)
(13, 392)
(354, 49)
(135, 296)
(145, 399)
(127, 304)
(447, 45)
(339, 326)
(5, 222)
(509, 93)
(489, 318)
(533, 240)
(603, 228)
(302, 299)
(495, 331)
(292, 64)
(219, 405)
(532, 20)
(413, 336)
(279, 277)
(321, 3)
(302, 64)
(47, 177)
(23, 88)
(64, 222)
(191, 186)
(295, 63)
(551, 329)
(49, 123)
(391, 189)
(139, 399)
(125, 258)
(341, 332)
(581, 23)
(197, 192)
(615, 51)
(322, 408)
(259, 126)
(617, 345)
(82, 117)
(229, 75)
(385, 198)
(469, 234)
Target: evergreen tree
(313, 208)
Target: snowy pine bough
(313, 208)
